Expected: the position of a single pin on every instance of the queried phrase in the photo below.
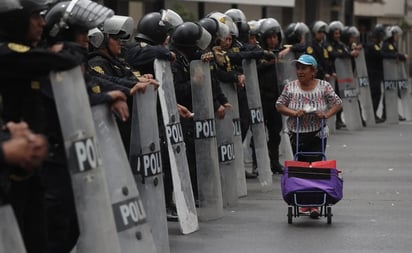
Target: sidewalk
(372, 217)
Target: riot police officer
(105, 62)
(318, 50)
(21, 32)
(270, 39)
(295, 38)
(69, 28)
(186, 40)
(151, 40)
(336, 49)
(374, 57)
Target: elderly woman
(311, 100)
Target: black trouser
(188, 135)
(244, 113)
(376, 93)
(273, 122)
(62, 225)
(308, 142)
(27, 200)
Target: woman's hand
(299, 113)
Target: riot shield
(146, 164)
(94, 213)
(285, 147)
(365, 97)
(10, 237)
(182, 186)
(226, 149)
(257, 123)
(286, 71)
(238, 145)
(231, 94)
(390, 85)
(331, 122)
(129, 212)
(248, 152)
(405, 92)
(349, 93)
(208, 175)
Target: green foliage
(184, 13)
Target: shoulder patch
(330, 48)
(19, 48)
(391, 47)
(35, 85)
(98, 69)
(136, 73)
(96, 89)
(325, 54)
(236, 49)
(309, 50)
(377, 47)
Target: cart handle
(322, 130)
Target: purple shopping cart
(311, 184)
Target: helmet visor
(87, 13)
(223, 31)
(170, 17)
(204, 40)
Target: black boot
(275, 165)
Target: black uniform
(337, 49)
(374, 57)
(319, 52)
(22, 100)
(105, 66)
(141, 57)
(182, 84)
(269, 92)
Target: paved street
(374, 215)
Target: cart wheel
(329, 214)
(289, 215)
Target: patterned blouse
(321, 98)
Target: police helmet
(119, 26)
(378, 32)
(391, 30)
(294, 32)
(215, 28)
(236, 15)
(267, 27)
(239, 18)
(151, 29)
(225, 19)
(319, 26)
(254, 27)
(96, 38)
(9, 5)
(335, 25)
(348, 32)
(76, 15)
(170, 17)
(190, 34)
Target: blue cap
(306, 59)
